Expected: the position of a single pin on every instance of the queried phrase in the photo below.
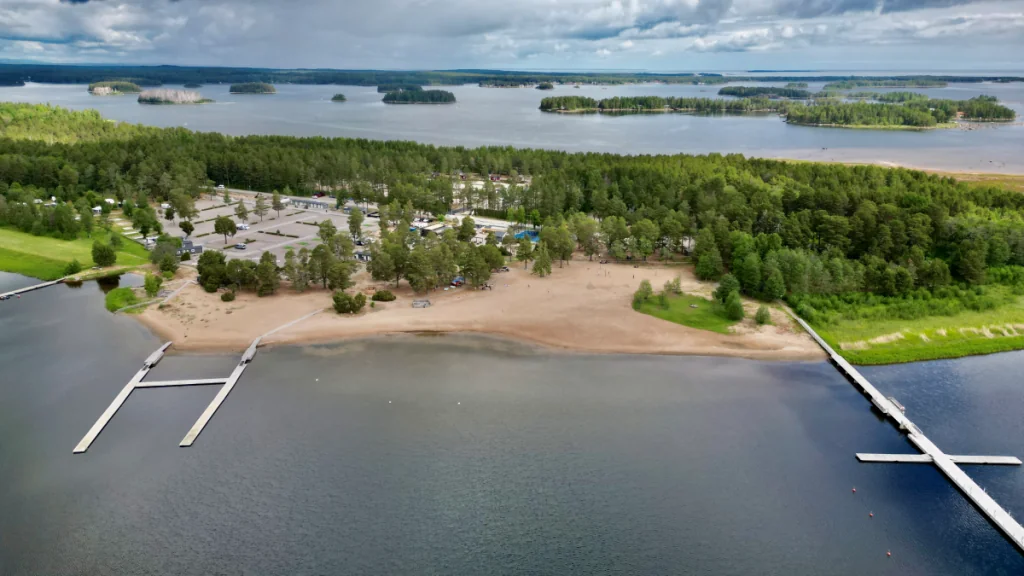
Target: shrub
(152, 285)
(186, 256)
(345, 304)
(726, 286)
(383, 296)
(763, 316)
(733, 306)
(674, 286)
(103, 254)
(663, 300)
(169, 263)
(227, 296)
(73, 267)
(210, 286)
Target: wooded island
(338, 98)
(113, 88)
(253, 88)
(165, 96)
(419, 97)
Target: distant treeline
(767, 91)
(504, 84)
(890, 83)
(801, 85)
(385, 88)
(253, 88)
(658, 104)
(419, 97)
(15, 74)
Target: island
(193, 85)
(338, 98)
(253, 88)
(419, 97)
(113, 88)
(906, 111)
(503, 83)
(885, 83)
(545, 86)
(766, 91)
(385, 88)
(166, 96)
(656, 104)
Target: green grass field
(44, 257)
(931, 338)
(119, 298)
(708, 315)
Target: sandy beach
(584, 306)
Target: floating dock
(138, 382)
(7, 295)
(926, 459)
(944, 462)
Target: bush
(663, 300)
(345, 304)
(383, 296)
(169, 263)
(210, 286)
(103, 254)
(227, 297)
(186, 256)
(152, 285)
(734, 306)
(674, 286)
(73, 267)
(763, 316)
(726, 286)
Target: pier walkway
(946, 463)
(7, 295)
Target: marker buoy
(888, 554)
(854, 490)
(871, 514)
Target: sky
(654, 35)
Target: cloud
(480, 33)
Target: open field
(896, 341)
(1013, 182)
(44, 257)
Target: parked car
(240, 246)
(373, 215)
(458, 281)
(243, 226)
(503, 269)
(220, 187)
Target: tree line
(17, 74)
(658, 103)
(829, 230)
(764, 91)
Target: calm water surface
(458, 455)
(494, 116)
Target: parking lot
(293, 228)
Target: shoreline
(582, 308)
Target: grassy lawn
(895, 341)
(119, 298)
(44, 257)
(708, 315)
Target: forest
(253, 88)
(763, 91)
(659, 104)
(18, 74)
(419, 97)
(831, 239)
(114, 87)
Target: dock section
(926, 459)
(945, 463)
(19, 291)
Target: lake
(470, 455)
(510, 116)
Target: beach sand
(584, 306)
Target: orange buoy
(871, 514)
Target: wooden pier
(930, 453)
(7, 295)
(138, 382)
